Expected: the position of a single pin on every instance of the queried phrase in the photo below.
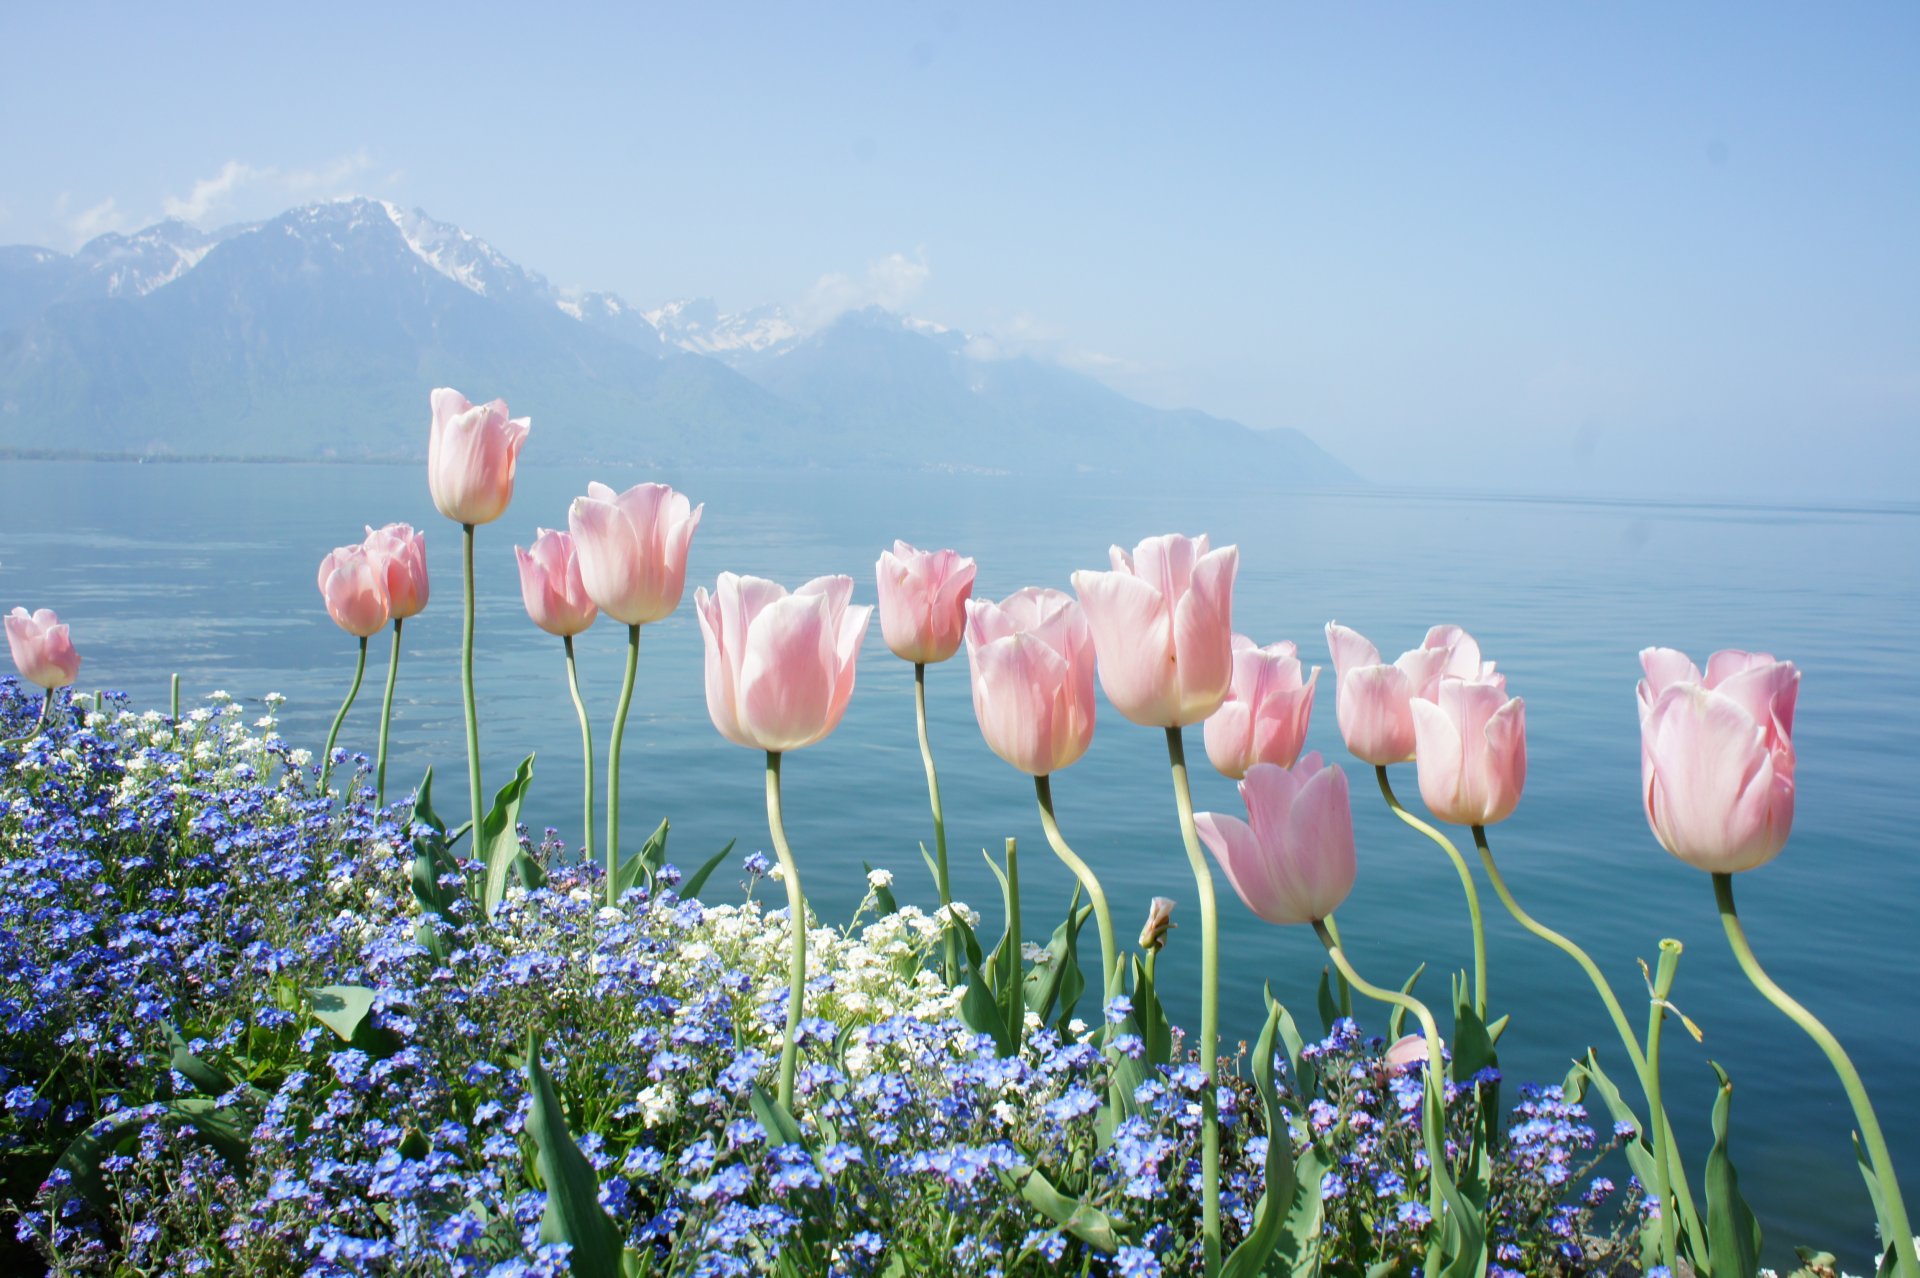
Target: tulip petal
(788, 674)
(1133, 634)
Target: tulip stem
(586, 757)
(951, 961)
(1466, 884)
(173, 700)
(1346, 987)
(466, 685)
(386, 720)
(797, 918)
(1433, 1129)
(1209, 1005)
(1691, 1217)
(1109, 941)
(1657, 1116)
(1894, 1229)
(613, 754)
(46, 703)
(333, 733)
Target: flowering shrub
(184, 913)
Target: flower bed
(180, 904)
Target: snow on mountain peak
(698, 325)
(462, 257)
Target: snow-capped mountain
(320, 332)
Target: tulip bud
(402, 554)
(1265, 716)
(42, 648)
(550, 584)
(1471, 747)
(1159, 922)
(779, 666)
(1032, 661)
(471, 455)
(923, 601)
(353, 583)
(633, 549)
(1162, 623)
(1292, 859)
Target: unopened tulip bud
(1159, 922)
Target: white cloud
(1024, 335)
(890, 283)
(98, 220)
(224, 189)
(331, 178)
(214, 192)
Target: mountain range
(317, 334)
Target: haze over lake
(208, 570)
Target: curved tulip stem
(1109, 940)
(1209, 1004)
(1662, 1135)
(333, 733)
(1434, 1126)
(797, 916)
(951, 962)
(613, 755)
(1346, 987)
(386, 720)
(1466, 884)
(46, 703)
(1650, 1089)
(1893, 1224)
(586, 760)
(466, 685)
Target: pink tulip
(923, 601)
(1032, 660)
(1373, 700)
(550, 584)
(1264, 718)
(354, 584)
(1292, 860)
(779, 666)
(1408, 1051)
(471, 454)
(1471, 745)
(633, 549)
(403, 553)
(1716, 756)
(1162, 624)
(42, 648)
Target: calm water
(208, 571)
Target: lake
(208, 570)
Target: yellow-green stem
(1432, 1129)
(613, 755)
(1109, 941)
(1657, 1115)
(386, 720)
(46, 703)
(1209, 1006)
(797, 916)
(1346, 989)
(173, 699)
(586, 763)
(466, 682)
(333, 733)
(1466, 884)
(950, 962)
(1894, 1226)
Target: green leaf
(1299, 1253)
(781, 1127)
(690, 890)
(227, 1129)
(574, 1215)
(1397, 1019)
(1329, 1010)
(883, 898)
(180, 1059)
(423, 812)
(1733, 1235)
(1306, 1076)
(497, 842)
(1089, 1224)
(642, 864)
(346, 1010)
(1044, 981)
(1277, 1200)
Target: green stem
(386, 720)
(1346, 988)
(797, 916)
(1662, 1134)
(1434, 1128)
(1466, 885)
(466, 686)
(951, 960)
(333, 733)
(173, 700)
(46, 702)
(1893, 1225)
(1018, 966)
(1109, 941)
(613, 753)
(1209, 1005)
(1628, 1040)
(586, 761)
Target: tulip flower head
(402, 552)
(1716, 756)
(471, 454)
(550, 584)
(1374, 700)
(1409, 1051)
(1162, 622)
(42, 648)
(779, 666)
(1292, 859)
(353, 583)
(1471, 746)
(633, 549)
(1264, 718)
(1032, 661)
(923, 601)
(1153, 935)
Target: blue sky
(1642, 248)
